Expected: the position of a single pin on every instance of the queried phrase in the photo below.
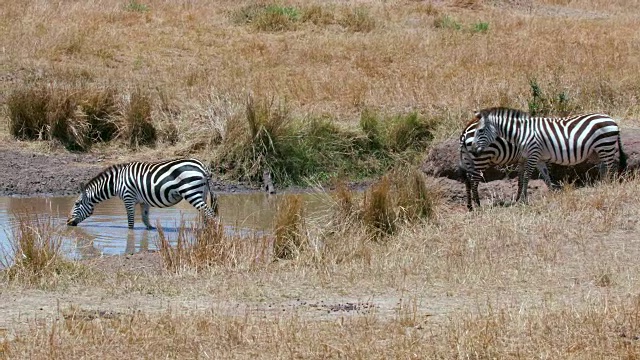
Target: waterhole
(106, 232)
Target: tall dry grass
(197, 249)
(335, 58)
(35, 257)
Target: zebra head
(82, 208)
(486, 133)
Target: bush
(543, 104)
(315, 149)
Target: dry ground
(555, 279)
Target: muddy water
(106, 232)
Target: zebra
(160, 184)
(498, 153)
(564, 141)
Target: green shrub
(480, 27)
(542, 104)
(268, 17)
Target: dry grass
(290, 235)
(330, 58)
(77, 117)
(35, 257)
(198, 249)
(555, 279)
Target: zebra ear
(481, 122)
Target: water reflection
(106, 231)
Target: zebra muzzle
(72, 222)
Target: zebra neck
(102, 190)
(512, 130)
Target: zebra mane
(502, 112)
(110, 170)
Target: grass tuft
(76, 117)
(270, 18)
(140, 130)
(289, 231)
(378, 212)
(203, 248)
(65, 123)
(357, 19)
(35, 257)
(28, 113)
(100, 109)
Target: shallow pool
(106, 232)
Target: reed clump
(35, 256)
(290, 237)
(201, 248)
(75, 116)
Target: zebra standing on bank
(498, 153)
(160, 184)
(564, 141)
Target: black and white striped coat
(498, 153)
(159, 184)
(565, 141)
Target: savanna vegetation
(324, 92)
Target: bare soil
(33, 173)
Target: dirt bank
(32, 173)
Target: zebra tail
(622, 164)
(213, 199)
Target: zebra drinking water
(160, 184)
(565, 141)
(498, 153)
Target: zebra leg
(525, 175)
(130, 205)
(521, 167)
(145, 216)
(197, 200)
(467, 187)
(474, 191)
(544, 171)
